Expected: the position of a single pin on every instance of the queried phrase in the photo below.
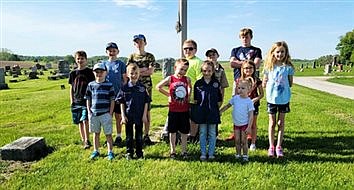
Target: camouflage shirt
(143, 61)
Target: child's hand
(248, 130)
(169, 99)
(145, 120)
(124, 120)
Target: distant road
(320, 83)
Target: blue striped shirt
(100, 95)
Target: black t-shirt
(79, 80)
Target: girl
(242, 115)
(248, 70)
(208, 98)
(278, 78)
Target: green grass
(318, 146)
(342, 80)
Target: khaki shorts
(104, 120)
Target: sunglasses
(189, 48)
(248, 68)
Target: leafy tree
(346, 47)
(7, 55)
(70, 59)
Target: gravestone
(334, 62)
(314, 65)
(63, 71)
(48, 65)
(167, 67)
(328, 69)
(25, 149)
(3, 85)
(16, 70)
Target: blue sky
(53, 27)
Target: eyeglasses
(248, 68)
(188, 48)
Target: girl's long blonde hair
(270, 59)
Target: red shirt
(179, 94)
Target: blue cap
(99, 66)
(111, 45)
(139, 37)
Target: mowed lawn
(318, 147)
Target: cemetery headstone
(328, 69)
(3, 85)
(48, 65)
(314, 65)
(167, 67)
(63, 70)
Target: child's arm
(163, 83)
(145, 113)
(124, 117)
(235, 63)
(71, 95)
(111, 107)
(224, 108)
(125, 78)
(250, 121)
(265, 80)
(189, 88)
(88, 105)
(260, 94)
(290, 77)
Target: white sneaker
(252, 147)
(203, 157)
(245, 158)
(237, 156)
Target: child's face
(213, 57)
(243, 89)
(207, 71)
(181, 69)
(189, 50)
(246, 40)
(112, 52)
(100, 75)
(133, 75)
(80, 61)
(279, 53)
(248, 69)
(139, 43)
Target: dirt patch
(8, 168)
(22, 64)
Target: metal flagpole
(183, 22)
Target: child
(189, 51)
(248, 71)
(146, 63)
(244, 52)
(277, 79)
(133, 99)
(242, 115)
(100, 105)
(116, 74)
(178, 99)
(78, 80)
(208, 98)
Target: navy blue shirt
(245, 53)
(207, 96)
(134, 98)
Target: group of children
(195, 95)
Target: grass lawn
(343, 80)
(318, 147)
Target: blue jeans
(207, 134)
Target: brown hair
(81, 54)
(192, 42)
(245, 32)
(182, 61)
(133, 67)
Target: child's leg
(271, 129)
(237, 141)
(147, 124)
(118, 124)
(82, 131)
(139, 140)
(96, 141)
(211, 139)
(254, 130)
(173, 143)
(109, 142)
(244, 142)
(203, 138)
(281, 120)
(129, 138)
(184, 142)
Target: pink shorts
(241, 128)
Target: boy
(146, 63)
(194, 73)
(244, 52)
(100, 105)
(133, 99)
(178, 98)
(116, 74)
(78, 80)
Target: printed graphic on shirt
(179, 92)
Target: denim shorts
(79, 113)
(104, 121)
(281, 108)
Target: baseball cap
(111, 45)
(139, 36)
(99, 66)
(211, 50)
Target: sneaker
(271, 151)
(279, 152)
(185, 155)
(147, 140)
(172, 155)
(237, 156)
(203, 158)
(129, 156)
(87, 145)
(117, 141)
(94, 155)
(252, 147)
(245, 158)
(211, 157)
(230, 138)
(110, 155)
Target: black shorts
(281, 108)
(178, 121)
(117, 108)
(256, 109)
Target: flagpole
(183, 22)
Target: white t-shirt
(241, 107)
